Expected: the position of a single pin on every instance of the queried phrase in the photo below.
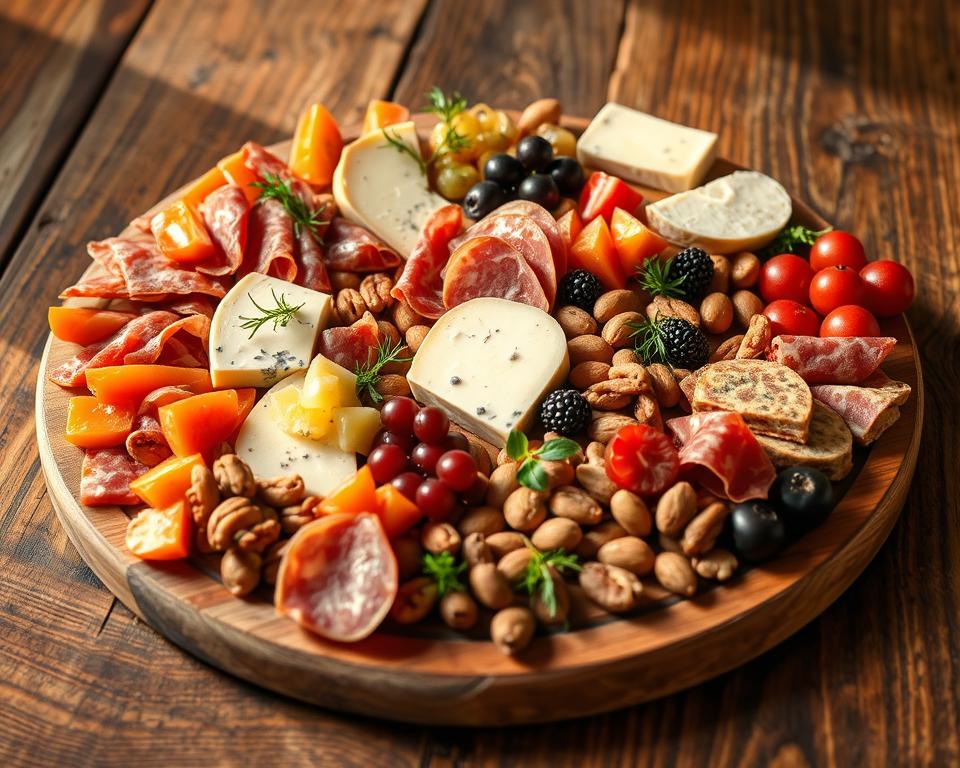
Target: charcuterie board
(429, 674)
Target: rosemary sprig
(531, 474)
(649, 343)
(280, 315)
(368, 376)
(791, 237)
(443, 106)
(452, 142)
(445, 572)
(655, 279)
(537, 579)
(303, 217)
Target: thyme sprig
(537, 579)
(280, 315)
(445, 572)
(452, 142)
(368, 376)
(273, 187)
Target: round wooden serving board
(427, 674)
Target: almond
(664, 385)
(716, 313)
(537, 113)
(701, 533)
(604, 426)
(618, 331)
(647, 411)
(612, 303)
(589, 348)
(675, 574)
(720, 282)
(744, 270)
(745, 305)
(588, 373)
(404, 317)
(503, 482)
(727, 349)
(628, 552)
(415, 336)
(575, 504)
(631, 512)
(625, 357)
(557, 533)
(593, 479)
(676, 508)
(575, 322)
(596, 537)
(663, 307)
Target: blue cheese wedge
(242, 355)
(271, 452)
(647, 150)
(383, 188)
(488, 363)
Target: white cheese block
(739, 212)
(647, 150)
(271, 452)
(488, 363)
(382, 188)
(239, 360)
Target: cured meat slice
(101, 285)
(834, 360)
(105, 477)
(270, 248)
(312, 271)
(225, 212)
(352, 248)
(146, 443)
(524, 234)
(421, 283)
(487, 266)
(128, 344)
(353, 345)
(772, 398)
(263, 162)
(868, 412)
(547, 223)
(879, 380)
(189, 305)
(829, 446)
(719, 451)
(338, 577)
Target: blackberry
(671, 340)
(694, 267)
(581, 289)
(565, 411)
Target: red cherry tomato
(835, 287)
(850, 320)
(835, 249)
(792, 318)
(785, 277)
(642, 460)
(889, 287)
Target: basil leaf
(558, 449)
(532, 475)
(517, 445)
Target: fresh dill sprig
(368, 376)
(649, 343)
(303, 217)
(655, 279)
(537, 579)
(445, 572)
(791, 237)
(443, 106)
(452, 142)
(281, 315)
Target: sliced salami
(270, 249)
(105, 477)
(488, 266)
(547, 223)
(421, 283)
(354, 345)
(352, 248)
(197, 326)
(100, 285)
(718, 450)
(263, 162)
(225, 212)
(312, 270)
(833, 360)
(867, 411)
(146, 443)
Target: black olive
(534, 152)
(758, 531)
(568, 175)
(504, 169)
(803, 496)
(482, 198)
(539, 189)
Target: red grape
(458, 441)
(398, 414)
(430, 425)
(435, 499)
(386, 462)
(457, 469)
(408, 483)
(425, 456)
(387, 437)
(476, 494)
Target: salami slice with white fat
(312, 270)
(225, 212)
(831, 360)
(105, 477)
(338, 577)
(488, 266)
(867, 411)
(421, 282)
(352, 248)
(547, 223)
(718, 450)
(270, 248)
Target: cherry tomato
(850, 320)
(835, 287)
(835, 249)
(791, 317)
(785, 277)
(642, 460)
(889, 287)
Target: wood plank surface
(854, 106)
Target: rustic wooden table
(106, 105)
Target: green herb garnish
(452, 142)
(531, 474)
(649, 343)
(273, 187)
(443, 106)
(281, 315)
(537, 579)
(445, 572)
(791, 237)
(655, 279)
(368, 376)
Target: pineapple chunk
(356, 428)
(321, 366)
(287, 410)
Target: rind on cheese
(488, 363)
(829, 446)
(647, 150)
(742, 211)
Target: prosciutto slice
(353, 345)
(270, 248)
(312, 271)
(421, 282)
(867, 411)
(832, 360)
(352, 248)
(105, 477)
(719, 451)
(225, 212)
(488, 266)
(263, 162)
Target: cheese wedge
(740, 212)
(488, 363)
(829, 446)
(647, 150)
(383, 189)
